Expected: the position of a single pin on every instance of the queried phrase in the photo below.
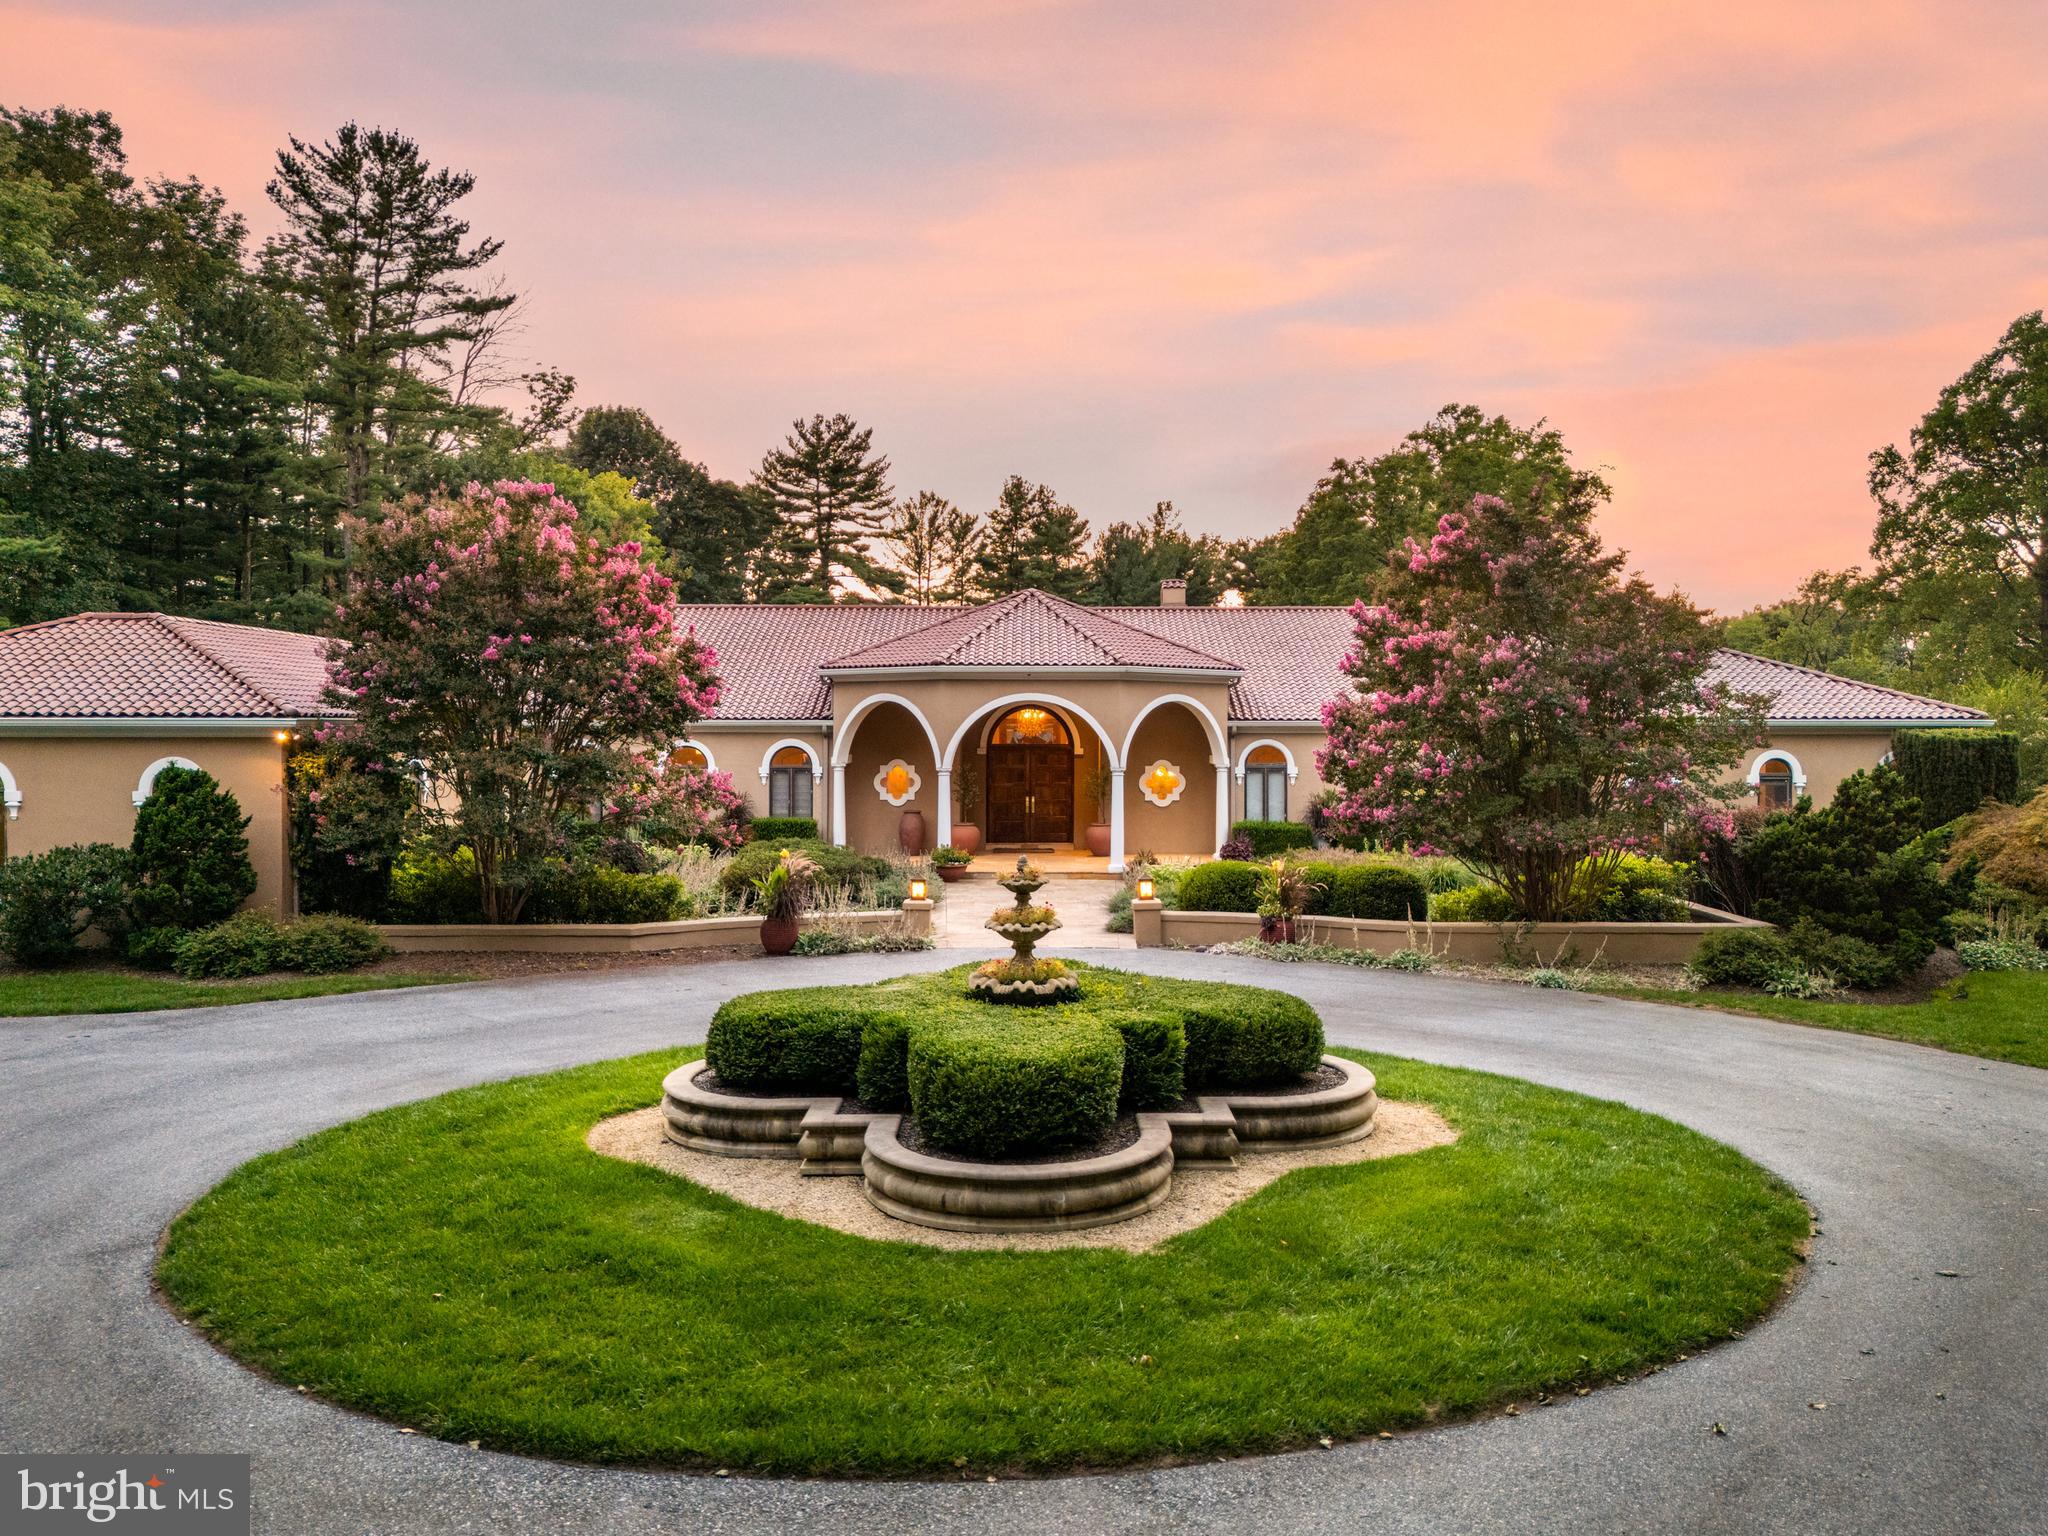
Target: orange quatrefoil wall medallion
(897, 782)
(1162, 783)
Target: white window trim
(1756, 769)
(710, 760)
(1244, 758)
(10, 794)
(146, 785)
(768, 757)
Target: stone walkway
(1082, 905)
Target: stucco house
(1185, 719)
(94, 707)
(1188, 718)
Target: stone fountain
(1024, 978)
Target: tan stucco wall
(739, 753)
(1303, 744)
(80, 789)
(1827, 757)
(888, 732)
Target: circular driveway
(1922, 1326)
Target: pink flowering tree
(1520, 703)
(519, 667)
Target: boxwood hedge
(992, 1081)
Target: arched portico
(981, 718)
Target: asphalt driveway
(1919, 1162)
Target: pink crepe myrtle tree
(1520, 703)
(518, 666)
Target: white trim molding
(1245, 756)
(768, 757)
(1756, 769)
(1116, 761)
(842, 739)
(911, 777)
(710, 761)
(1180, 784)
(146, 785)
(1219, 752)
(10, 793)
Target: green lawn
(468, 1267)
(102, 990)
(1999, 1014)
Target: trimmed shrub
(1222, 885)
(838, 868)
(189, 861)
(1851, 961)
(807, 1040)
(1376, 891)
(1640, 890)
(2007, 843)
(1472, 904)
(428, 886)
(154, 949)
(247, 944)
(327, 943)
(1952, 772)
(1742, 957)
(783, 830)
(48, 901)
(1271, 839)
(1015, 1084)
(1155, 1060)
(600, 894)
(1247, 1037)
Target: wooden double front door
(1031, 794)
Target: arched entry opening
(1030, 780)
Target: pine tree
(383, 265)
(1032, 539)
(928, 549)
(1131, 560)
(829, 493)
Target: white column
(838, 805)
(945, 807)
(1116, 821)
(1222, 805)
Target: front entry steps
(954, 1194)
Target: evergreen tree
(386, 269)
(829, 494)
(1032, 539)
(712, 529)
(928, 550)
(1131, 560)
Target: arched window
(1265, 785)
(688, 754)
(1029, 727)
(789, 783)
(1775, 788)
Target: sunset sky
(1146, 251)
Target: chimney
(1173, 593)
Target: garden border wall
(736, 931)
(1463, 943)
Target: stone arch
(1219, 753)
(1243, 757)
(842, 740)
(997, 705)
(809, 751)
(710, 758)
(10, 793)
(1756, 769)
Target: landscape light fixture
(1145, 888)
(917, 890)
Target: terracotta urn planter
(778, 934)
(966, 836)
(1276, 930)
(1097, 837)
(910, 832)
(952, 874)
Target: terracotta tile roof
(770, 656)
(1801, 693)
(113, 665)
(1032, 629)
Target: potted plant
(966, 785)
(1099, 782)
(779, 897)
(1283, 893)
(951, 862)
